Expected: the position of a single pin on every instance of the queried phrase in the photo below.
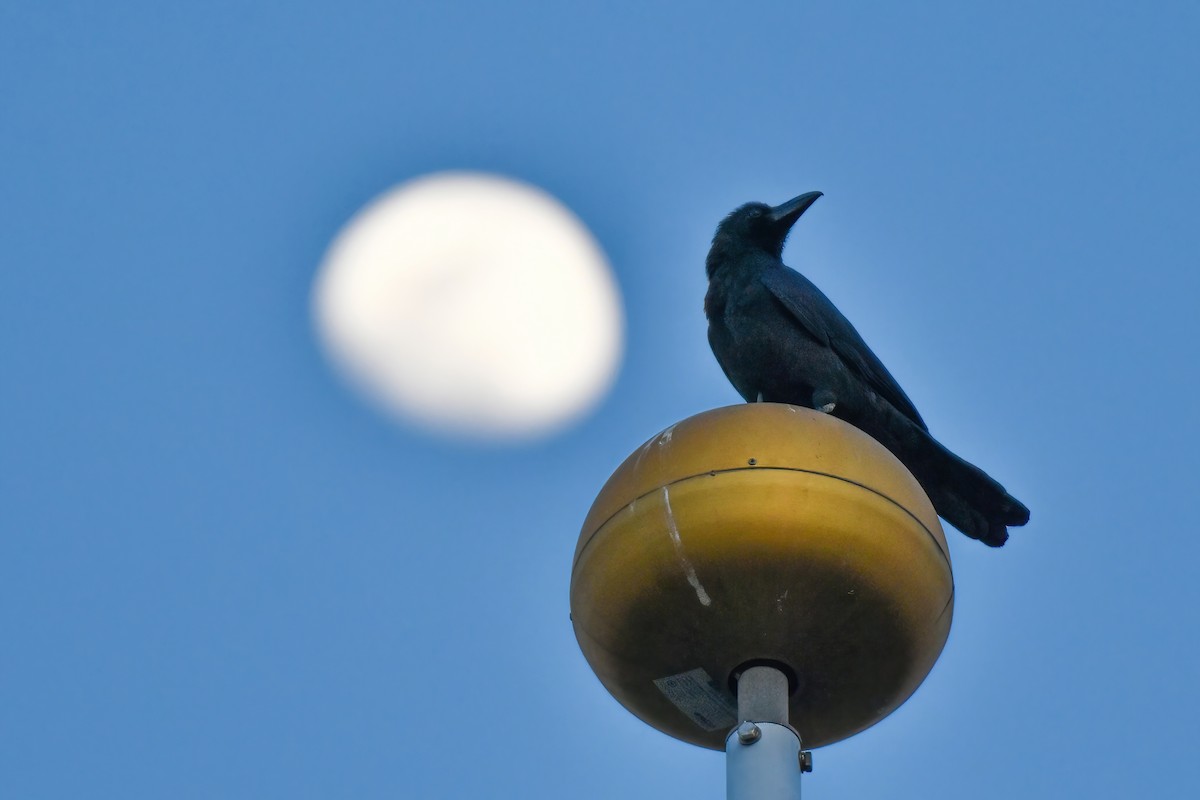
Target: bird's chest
(748, 320)
(751, 337)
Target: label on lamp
(694, 693)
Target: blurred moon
(471, 303)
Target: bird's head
(758, 226)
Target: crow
(780, 340)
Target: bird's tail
(970, 499)
(962, 494)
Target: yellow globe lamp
(761, 534)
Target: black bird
(779, 339)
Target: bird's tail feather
(962, 494)
(970, 499)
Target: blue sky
(223, 575)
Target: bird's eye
(755, 213)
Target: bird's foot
(759, 400)
(823, 400)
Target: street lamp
(758, 576)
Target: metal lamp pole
(763, 755)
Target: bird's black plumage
(779, 339)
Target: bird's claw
(824, 401)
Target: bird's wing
(820, 319)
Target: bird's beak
(785, 215)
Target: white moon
(472, 303)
